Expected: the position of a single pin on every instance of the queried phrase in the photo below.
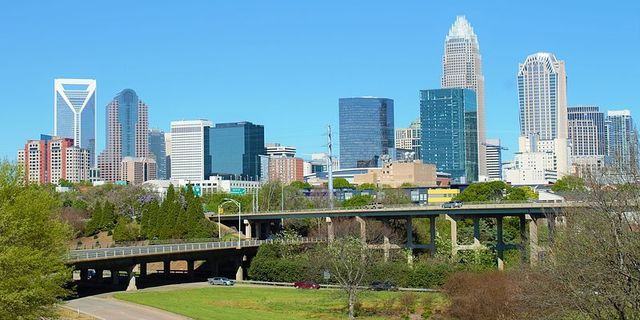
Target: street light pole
(225, 201)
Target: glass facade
(449, 132)
(127, 118)
(157, 149)
(366, 131)
(586, 131)
(75, 112)
(235, 150)
(622, 143)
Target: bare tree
(348, 259)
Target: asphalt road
(108, 308)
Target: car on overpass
(221, 281)
(452, 204)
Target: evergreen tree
(93, 225)
(170, 210)
(108, 216)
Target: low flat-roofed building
(394, 174)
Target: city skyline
(420, 67)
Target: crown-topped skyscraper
(462, 68)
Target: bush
(430, 274)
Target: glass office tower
(235, 150)
(74, 108)
(157, 148)
(366, 131)
(622, 142)
(450, 132)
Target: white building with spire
(74, 109)
(462, 68)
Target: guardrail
(110, 253)
(331, 286)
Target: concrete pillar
(386, 248)
(454, 235)
(330, 231)
(239, 271)
(247, 229)
(167, 267)
(533, 240)
(259, 230)
(551, 224)
(190, 269)
(132, 279)
(363, 229)
(523, 239)
(98, 275)
(115, 277)
(409, 226)
(476, 233)
(84, 274)
(432, 232)
(500, 244)
(143, 270)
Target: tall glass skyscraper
(622, 147)
(586, 131)
(74, 108)
(449, 132)
(127, 133)
(366, 131)
(157, 148)
(462, 68)
(235, 150)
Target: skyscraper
(494, 159)
(190, 155)
(462, 68)
(235, 150)
(366, 131)
(542, 94)
(52, 159)
(74, 108)
(157, 148)
(622, 147)
(449, 132)
(586, 131)
(127, 127)
(408, 140)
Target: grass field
(263, 303)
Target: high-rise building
(366, 131)
(286, 169)
(278, 150)
(74, 108)
(494, 159)
(190, 145)
(449, 132)
(135, 171)
(52, 159)
(622, 142)
(235, 150)
(157, 149)
(127, 133)
(167, 152)
(462, 68)
(408, 140)
(586, 131)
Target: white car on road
(221, 281)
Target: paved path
(108, 308)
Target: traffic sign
(238, 191)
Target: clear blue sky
(284, 64)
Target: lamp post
(225, 201)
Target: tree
(126, 230)
(483, 191)
(366, 186)
(341, 183)
(357, 201)
(33, 249)
(348, 260)
(569, 184)
(300, 185)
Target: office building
(494, 159)
(408, 140)
(449, 132)
(157, 149)
(135, 171)
(587, 136)
(366, 132)
(167, 152)
(622, 142)
(190, 149)
(278, 150)
(462, 68)
(52, 159)
(395, 174)
(235, 150)
(127, 128)
(74, 108)
(285, 169)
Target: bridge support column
(523, 239)
(500, 244)
(409, 227)
(259, 230)
(432, 235)
(190, 269)
(454, 235)
(534, 249)
(84, 274)
(240, 270)
(98, 275)
(132, 279)
(476, 233)
(386, 248)
(115, 277)
(247, 229)
(363, 229)
(167, 268)
(143, 270)
(330, 231)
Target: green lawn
(278, 303)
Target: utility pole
(330, 166)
